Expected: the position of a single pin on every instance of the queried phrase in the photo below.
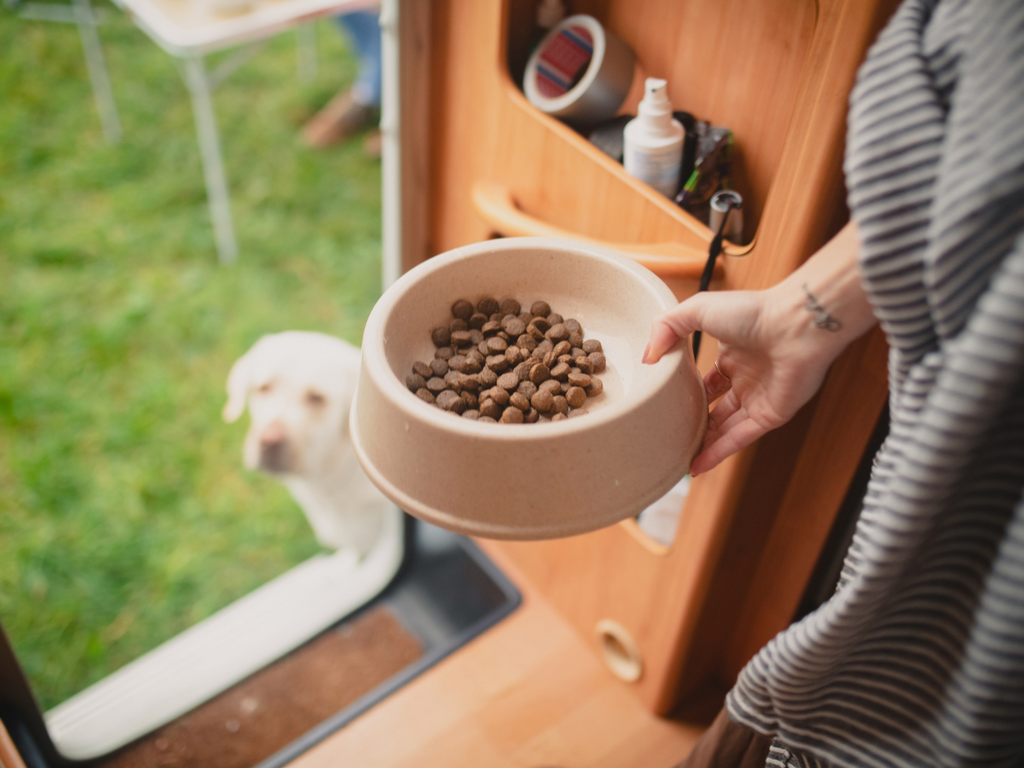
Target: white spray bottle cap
(549, 13)
(655, 110)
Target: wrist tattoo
(822, 319)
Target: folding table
(189, 30)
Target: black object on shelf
(709, 266)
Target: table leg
(306, 50)
(213, 165)
(101, 89)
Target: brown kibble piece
(523, 370)
(473, 364)
(526, 342)
(438, 366)
(562, 348)
(510, 307)
(422, 369)
(500, 396)
(559, 404)
(445, 353)
(564, 385)
(592, 345)
(488, 378)
(475, 336)
(490, 328)
(531, 416)
(598, 361)
(575, 338)
(554, 386)
(541, 324)
(469, 398)
(461, 338)
(527, 388)
(579, 380)
(555, 319)
(441, 337)
(576, 397)
(488, 419)
(508, 381)
(458, 324)
(557, 332)
(520, 401)
(542, 400)
(540, 309)
(425, 395)
(540, 373)
(496, 345)
(471, 413)
(450, 401)
(559, 417)
(491, 408)
(477, 320)
(436, 384)
(451, 380)
(514, 355)
(584, 364)
(573, 325)
(560, 372)
(596, 387)
(469, 382)
(462, 309)
(497, 363)
(513, 326)
(415, 382)
(511, 415)
(487, 305)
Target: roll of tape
(580, 72)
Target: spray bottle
(653, 141)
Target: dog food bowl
(528, 481)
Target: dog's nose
(273, 435)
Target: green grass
(125, 514)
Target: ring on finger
(717, 368)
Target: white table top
(191, 27)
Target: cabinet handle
(495, 206)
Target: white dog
(299, 388)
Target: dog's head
(298, 387)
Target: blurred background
(125, 513)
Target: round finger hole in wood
(619, 650)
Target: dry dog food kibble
(496, 362)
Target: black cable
(709, 266)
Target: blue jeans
(363, 28)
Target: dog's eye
(314, 398)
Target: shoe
(373, 145)
(341, 118)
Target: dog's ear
(239, 382)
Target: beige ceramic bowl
(528, 481)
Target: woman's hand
(775, 346)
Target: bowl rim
(395, 390)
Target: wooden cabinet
(479, 161)
(778, 73)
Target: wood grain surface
(527, 693)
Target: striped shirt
(918, 658)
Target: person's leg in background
(359, 107)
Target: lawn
(125, 514)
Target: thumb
(675, 324)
